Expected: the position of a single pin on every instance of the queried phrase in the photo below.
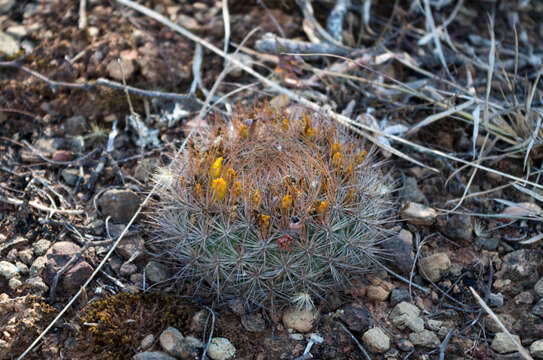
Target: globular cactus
(271, 207)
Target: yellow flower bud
(216, 167)
(231, 173)
(243, 132)
(257, 198)
(236, 188)
(336, 159)
(286, 201)
(309, 133)
(335, 147)
(285, 123)
(264, 221)
(360, 157)
(219, 188)
(322, 207)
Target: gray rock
(536, 349)
(6, 5)
(401, 250)
(398, 295)
(496, 300)
(538, 287)
(300, 320)
(376, 340)
(76, 125)
(169, 338)
(520, 266)
(120, 204)
(425, 338)
(538, 308)
(245, 60)
(152, 355)
(8, 45)
(14, 283)
(503, 344)
(8, 270)
(12, 255)
(36, 283)
(524, 297)
(221, 349)
(175, 344)
(21, 268)
(459, 227)
(407, 315)
(253, 322)
(155, 272)
(411, 191)
(488, 243)
(418, 214)
(127, 269)
(147, 341)
(434, 325)
(435, 266)
(41, 246)
(506, 319)
(131, 247)
(26, 255)
(70, 175)
(405, 345)
(356, 317)
(38, 266)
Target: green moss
(113, 327)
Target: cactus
(271, 207)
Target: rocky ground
(66, 195)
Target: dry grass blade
(520, 349)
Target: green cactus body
(271, 207)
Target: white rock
(536, 349)
(6, 5)
(245, 60)
(221, 349)
(376, 340)
(300, 320)
(8, 270)
(8, 45)
(418, 214)
(14, 283)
